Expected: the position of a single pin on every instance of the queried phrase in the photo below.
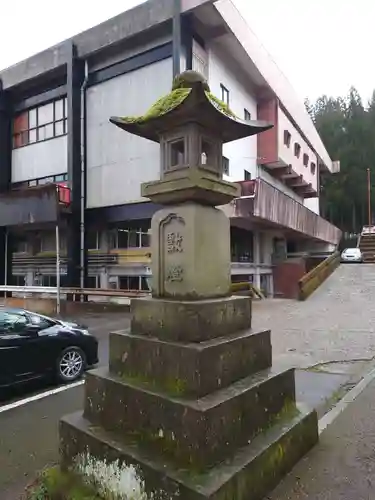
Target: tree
(347, 129)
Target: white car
(351, 255)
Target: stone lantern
(190, 244)
(189, 407)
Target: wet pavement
(342, 465)
(336, 323)
(29, 433)
(329, 339)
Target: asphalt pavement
(332, 333)
(342, 465)
(29, 431)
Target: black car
(33, 346)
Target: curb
(349, 397)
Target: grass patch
(53, 484)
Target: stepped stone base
(249, 474)
(180, 369)
(200, 432)
(190, 321)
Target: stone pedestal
(186, 413)
(190, 407)
(190, 253)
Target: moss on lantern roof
(181, 88)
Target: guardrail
(248, 288)
(313, 279)
(108, 292)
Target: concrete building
(62, 162)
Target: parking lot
(29, 416)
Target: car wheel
(71, 364)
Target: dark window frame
(224, 92)
(24, 134)
(54, 179)
(297, 150)
(131, 237)
(246, 115)
(226, 166)
(287, 138)
(247, 175)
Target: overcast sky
(322, 46)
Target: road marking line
(41, 395)
(349, 397)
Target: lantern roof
(190, 101)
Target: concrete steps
(367, 247)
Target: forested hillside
(347, 127)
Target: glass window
(145, 283)
(12, 322)
(45, 180)
(93, 281)
(49, 280)
(92, 240)
(49, 131)
(134, 282)
(41, 131)
(40, 321)
(21, 123)
(32, 136)
(145, 240)
(59, 128)
(123, 282)
(225, 165)
(224, 94)
(32, 118)
(21, 139)
(59, 110)
(112, 240)
(122, 238)
(45, 114)
(41, 123)
(134, 239)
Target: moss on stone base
(53, 484)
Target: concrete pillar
(75, 77)
(257, 258)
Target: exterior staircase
(367, 247)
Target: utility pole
(369, 197)
(176, 42)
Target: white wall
(313, 204)
(274, 77)
(117, 162)
(287, 153)
(242, 153)
(40, 160)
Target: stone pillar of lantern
(190, 407)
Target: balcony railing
(33, 205)
(263, 201)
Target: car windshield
(352, 251)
